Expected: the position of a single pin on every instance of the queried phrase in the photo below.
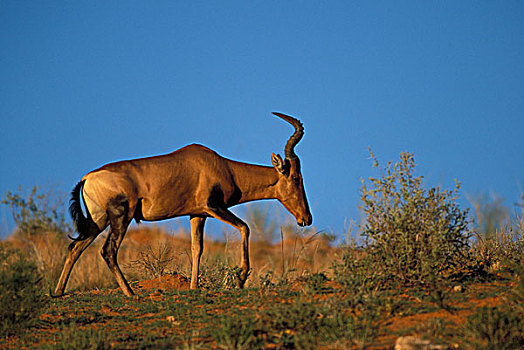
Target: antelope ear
(278, 163)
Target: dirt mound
(168, 282)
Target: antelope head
(290, 186)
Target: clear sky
(84, 83)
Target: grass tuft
(21, 296)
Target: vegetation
(500, 327)
(495, 329)
(21, 296)
(414, 236)
(37, 213)
(499, 238)
(154, 262)
(424, 268)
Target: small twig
(282, 251)
(294, 248)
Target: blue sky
(85, 83)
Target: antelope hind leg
(117, 210)
(75, 250)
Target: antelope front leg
(228, 217)
(197, 246)
(244, 262)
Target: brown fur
(193, 181)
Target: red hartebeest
(193, 181)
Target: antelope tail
(82, 224)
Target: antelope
(193, 181)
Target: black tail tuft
(82, 224)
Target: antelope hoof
(241, 280)
(55, 295)
(128, 292)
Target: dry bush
(49, 251)
(42, 234)
(302, 255)
(296, 256)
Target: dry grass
(295, 256)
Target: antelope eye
(295, 179)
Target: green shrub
(414, 236)
(21, 296)
(356, 271)
(495, 329)
(235, 332)
(72, 337)
(515, 295)
(314, 283)
(37, 213)
(305, 324)
(350, 322)
(293, 325)
(41, 228)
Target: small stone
(411, 343)
(458, 288)
(173, 321)
(415, 343)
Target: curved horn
(295, 138)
